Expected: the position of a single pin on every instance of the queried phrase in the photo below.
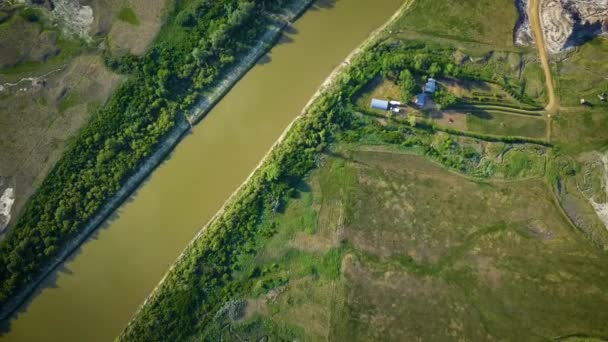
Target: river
(97, 290)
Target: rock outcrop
(565, 23)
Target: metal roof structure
(421, 99)
(430, 86)
(380, 104)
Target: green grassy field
(584, 75)
(497, 123)
(465, 20)
(534, 78)
(387, 246)
(581, 129)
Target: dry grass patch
(141, 21)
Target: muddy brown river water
(95, 292)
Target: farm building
(430, 86)
(380, 104)
(421, 99)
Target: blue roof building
(380, 104)
(421, 100)
(430, 86)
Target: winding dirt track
(535, 21)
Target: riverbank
(255, 178)
(162, 150)
(277, 26)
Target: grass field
(465, 20)
(581, 129)
(584, 74)
(497, 123)
(534, 78)
(387, 246)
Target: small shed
(421, 100)
(430, 86)
(380, 104)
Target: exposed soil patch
(601, 205)
(565, 23)
(7, 198)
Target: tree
(411, 120)
(407, 84)
(445, 98)
(434, 70)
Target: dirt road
(535, 21)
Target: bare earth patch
(602, 208)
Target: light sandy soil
(6, 202)
(602, 208)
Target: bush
(30, 14)
(444, 98)
(408, 85)
(127, 15)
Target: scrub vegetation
(206, 38)
(337, 235)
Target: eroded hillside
(566, 23)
